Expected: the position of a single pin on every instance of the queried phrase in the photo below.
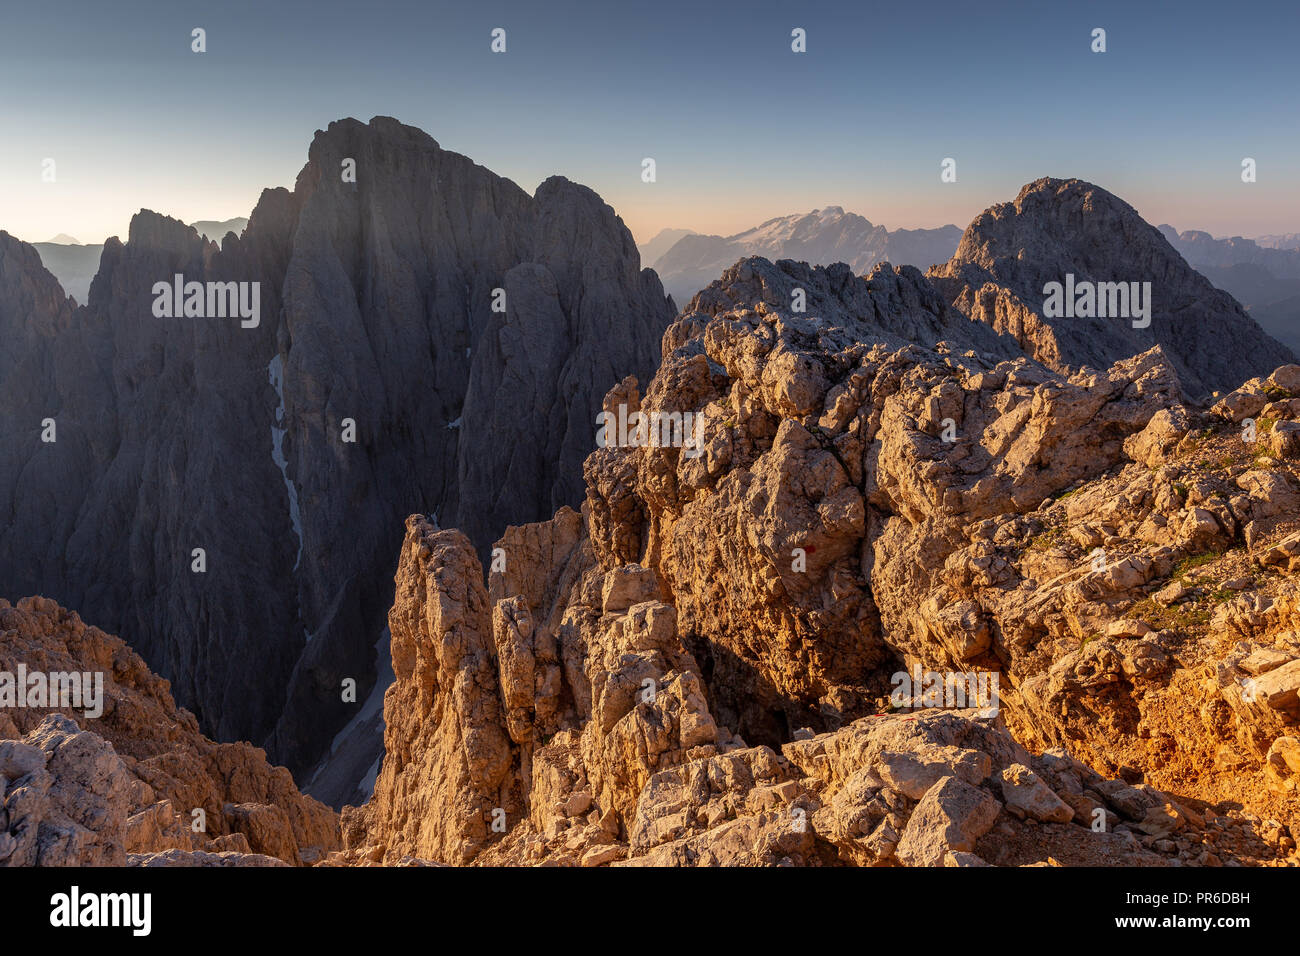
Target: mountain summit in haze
(821, 237)
(661, 243)
(1262, 274)
(1289, 240)
(216, 230)
(73, 264)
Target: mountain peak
(385, 127)
(1068, 231)
(151, 229)
(375, 301)
(821, 237)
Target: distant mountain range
(1289, 240)
(216, 231)
(821, 237)
(664, 240)
(1262, 274)
(75, 264)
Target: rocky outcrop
(1057, 228)
(639, 773)
(703, 668)
(127, 775)
(821, 237)
(430, 337)
(856, 581)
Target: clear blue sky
(741, 128)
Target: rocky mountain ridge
(702, 667)
(229, 492)
(885, 483)
(75, 264)
(696, 670)
(1069, 231)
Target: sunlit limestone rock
(139, 779)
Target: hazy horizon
(643, 239)
(134, 119)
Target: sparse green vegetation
(1046, 540)
(1177, 617)
(1188, 564)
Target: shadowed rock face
(1054, 227)
(182, 433)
